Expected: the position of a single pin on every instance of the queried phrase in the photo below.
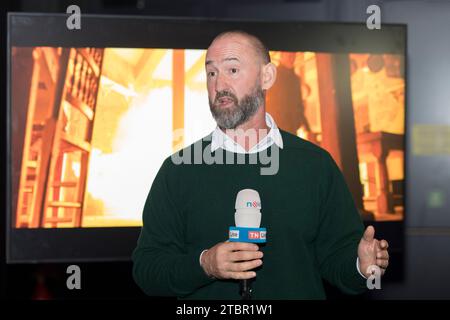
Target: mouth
(224, 102)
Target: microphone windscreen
(248, 205)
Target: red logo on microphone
(253, 235)
(254, 204)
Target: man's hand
(232, 260)
(372, 252)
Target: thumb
(369, 233)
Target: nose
(221, 83)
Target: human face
(233, 81)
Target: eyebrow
(226, 59)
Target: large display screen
(92, 116)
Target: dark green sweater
(313, 227)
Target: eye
(234, 70)
(210, 74)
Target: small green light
(436, 199)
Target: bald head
(258, 46)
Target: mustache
(225, 93)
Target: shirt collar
(221, 140)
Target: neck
(252, 131)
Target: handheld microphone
(247, 219)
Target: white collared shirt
(221, 140)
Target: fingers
(383, 259)
(242, 275)
(241, 270)
(244, 266)
(383, 263)
(383, 255)
(245, 255)
(232, 260)
(383, 244)
(250, 259)
(241, 246)
(369, 234)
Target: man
(313, 228)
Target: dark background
(425, 273)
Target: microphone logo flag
(255, 235)
(244, 234)
(233, 234)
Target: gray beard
(242, 111)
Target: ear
(269, 74)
